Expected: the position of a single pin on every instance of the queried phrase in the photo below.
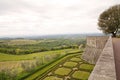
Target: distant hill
(65, 36)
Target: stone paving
(116, 47)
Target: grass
(81, 75)
(52, 78)
(63, 71)
(87, 67)
(70, 64)
(75, 59)
(22, 42)
(8, 57)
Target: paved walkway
(116, 47)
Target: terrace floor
(116, 47)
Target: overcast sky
(41, 17)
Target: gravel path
(116, 47)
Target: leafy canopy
(109, 20)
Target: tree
(109, 20)
(17, 51)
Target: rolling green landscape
(28, 59)
(59, 39)
(28, 46)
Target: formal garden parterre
(72, 68)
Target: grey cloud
(7, 6)
(43, 16)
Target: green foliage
(76, 59)
(27, 66)
(14, 46)
(8, 75)
(82, 75)
(109, 20)
(62, 71)
(4, 76)
(86, 67)
(39, 61)
(70, 64)
(65, 71)
(39, 55)
(18, 49)
(52, 78)
(47, 67)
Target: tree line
(40, 47)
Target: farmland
(28, 46)
(28, 58)
(8, 57)
(43, 59)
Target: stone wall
(105, 66)
(94, 47)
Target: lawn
(70, 64)
(75, 59)
(63, 71)
(8, 57)
(52, 78)
(82, 75)
(87, 67)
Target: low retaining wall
(105, 66)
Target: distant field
(8, 57)
(27, 46)
(23, 41)
(14, 65)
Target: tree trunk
(113, 34)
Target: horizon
(24, 36)
(44, 17)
